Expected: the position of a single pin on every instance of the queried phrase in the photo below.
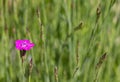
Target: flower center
(24, 44)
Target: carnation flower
(23, 44)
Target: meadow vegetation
(75, 40)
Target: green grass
(57, 57)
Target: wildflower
(23, 46)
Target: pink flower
(23, 44)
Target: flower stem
(29, 78)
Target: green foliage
(56, 27)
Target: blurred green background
(61, 53)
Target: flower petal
(23, 44)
